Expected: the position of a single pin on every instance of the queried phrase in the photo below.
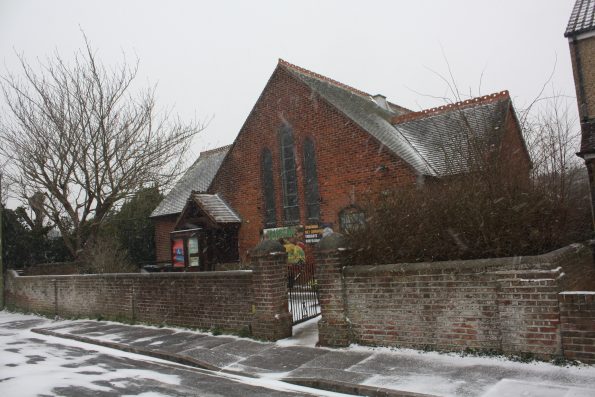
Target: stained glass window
(291, 209)
(268, 189)
(311, 182)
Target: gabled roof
(443, 135)
(582, 18)
(426, 139)
(364, 111)
(197, 178)
(215, 208)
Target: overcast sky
(212, 59)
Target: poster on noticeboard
(177, 254)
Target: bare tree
(553, 137)
(5, 183)
(497, 207)
(75, 132)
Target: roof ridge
(467, 103)
(219, 149)
(323, 78)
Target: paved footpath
(355, 370)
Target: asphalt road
(35, 365)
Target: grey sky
(214, 58)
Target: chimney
(382, 102)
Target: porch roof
(216, 208)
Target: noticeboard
(309, 234)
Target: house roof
(216, 208)
(364, 111)
(197, 178)
(582, 18)
(422, 139)
(443, 136)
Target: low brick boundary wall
(577, 317)
(453, 309)
(202, 300)
(234, 301)
(507, 305)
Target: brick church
(308, 153)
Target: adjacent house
(309, 152)
(581, 39)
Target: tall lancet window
(291, 209)
(268, 189)
(311, 183)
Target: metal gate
(303, 292)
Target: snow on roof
(197, 178)
(216, 208)
(426, 139)
(444, 138)
(364, 111)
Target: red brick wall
(33, 294)
(514, 156)
(201, 300)
(347, 157)
(577, 315)
(450, 307)
(528, 313)
(506, 304)
(164, 225)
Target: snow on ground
(304, 334)
(450, 374)
(510, 387)
(31, 368)
(32, 364)
(456, 359)
(410, 370)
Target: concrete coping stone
(218, 273)
(268, 247)
(332, 242)
(543, 262)
(577, 293)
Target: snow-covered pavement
(33, 364)
(39, 365)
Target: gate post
(271, 319)
(333, 328)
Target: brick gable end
(350, 162)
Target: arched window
(291, 209)
(311, 182)
(351, 219)
(268, 189)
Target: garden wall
(235, 301)
(507, 305)
(201, 300)
(577, 316)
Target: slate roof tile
(446, 139)
(430, 141)
(582, 18)
(363, 110)
(216, 208)
(197, 178)
(433, 142)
